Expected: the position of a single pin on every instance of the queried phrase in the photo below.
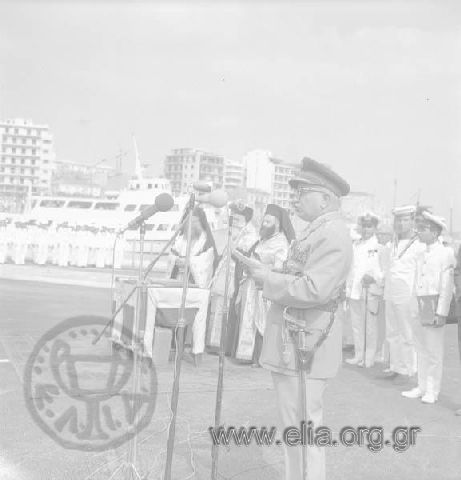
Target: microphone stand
(140, 319)
(224, 320)
(179, 337)
(129, 466)
(146, 273)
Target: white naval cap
(404, 210)
(368, 217)
(435, 219)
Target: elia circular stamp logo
(86, 395)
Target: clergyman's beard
(266, 232)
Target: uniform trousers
(400, 316)
(82, 256)
(360, 315)
(100, 257)
(429, 343)
(20, 251)
(42, 254)
(288, 400)
(382, 348)
(459, 328)
(344, 315)
(64, 252)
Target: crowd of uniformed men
(295, 303)
(59, 244)
(292, 299)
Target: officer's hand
(367, 280)
(439, 321)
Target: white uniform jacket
(434, 275)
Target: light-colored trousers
(64, 252)
(382, 348)
(288, 400)
(42, 254)
(400, 316)
(20, 251)
(429, 343)
(82, 255)
(100, 257)
(358, 318)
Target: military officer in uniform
(401, 305)
(457, 278)
(364, 291)
(308, 289)
(434, 291)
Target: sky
(371, 88)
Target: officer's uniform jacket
(458, 292)
(434, 276)
(400, 275)
(366, 261)
(315, 274)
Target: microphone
(202, 187)
(163, 203)
(217, 199)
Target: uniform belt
(307, 339)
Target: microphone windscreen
(202, 187)
(217, 199)
(164, 202)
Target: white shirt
(400, 276)
(365, 262)
(434, 275)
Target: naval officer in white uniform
(434, 290)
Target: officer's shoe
(353, 361)
(429, 398)
(413, 393)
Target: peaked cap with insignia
(314, 174)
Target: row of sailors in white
(61, 245)
(415, 275)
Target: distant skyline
(371, 88)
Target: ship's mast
(138, 168)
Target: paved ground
(356, 397)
